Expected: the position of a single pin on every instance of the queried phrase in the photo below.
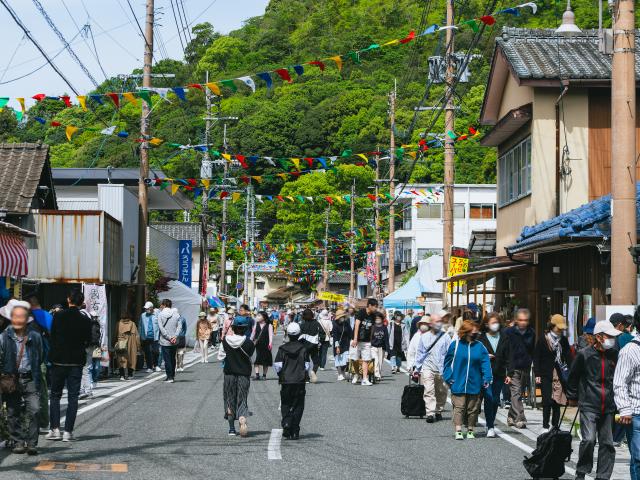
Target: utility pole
(352, 277)
(376, 220)
(143, 217)
(205, 172)
(325, 268)
(623, 155)
(247, 237)
(449, 149)
(391, 279)
(252, 219)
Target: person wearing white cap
(292, 365)
(590, 386)
(149, 336)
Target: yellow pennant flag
(235, 196)
(291, 198)
(226, 156)
(156, 141)
(257, 178)
(296, 162)
(130, 97)
(338, 60)
(392, 42)
(412, 154)
(21, 102)
(339, 199)
(174, 188)
(214, 88)
(70, 130)
(362, 156)
(283, 175)
(82, 100)
(205, 182)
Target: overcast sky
(118, 41)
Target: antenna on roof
(568, 26)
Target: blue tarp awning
(405, 296)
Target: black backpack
(96, 333)
(553, 449)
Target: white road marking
(273, 451)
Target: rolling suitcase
(412, 404)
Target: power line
(139, 27)
(64, 42)
(186, 23)
(20, 43)
(196, 18)
(175, 19)
(15, 17)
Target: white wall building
(419, 233)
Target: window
(514, 173)
(458, 210)
(482, 211)
(259, 285)
(406, 217)
(429, 210)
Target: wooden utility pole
(449, 149)
(247, 236)
(205, 172)
(623, 155)
(391, 279)
(325, 268)
(223, 226)
(352, 277)
(376, 220)
(143, 201)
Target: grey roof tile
(183, 231)
(21, 168)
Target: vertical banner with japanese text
(458, 263)
(185, 249)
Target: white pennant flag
(259, 197)
(270, 160)
(108, 130)
(162, 92)
(534, 7)
(310, 199)
(248, 81)
(333, 159)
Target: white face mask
(424, 328)
(437, 326)
(494, 327)
(609, 343)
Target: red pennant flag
(66, 100)
(360, 164)
(56, 124)
(329, 200)
(408, 38)
(115, 98)
(243, 162)
(39, 97)
(463, 137)
(472, 131)
(309, 160)
(192, 181)
(318, 64)
(195, 85)
(294, 174)
(245, 179)
(223, 195)
(279, 197)
(371, 196)
(488, 20)
(283, 73)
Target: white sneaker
(53, 434)
(321, 369)
(491, 433)
(366, 383)
(172, 381)
(157, 369)
(67, 437)
(544, 430)
(149, 370)
(354, 380)
(340, 378)
(122, 379)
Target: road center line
(273, 451)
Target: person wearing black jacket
(590, 386)
(291, 365)
(70, 335)
(341, 334)
(522, 340)
(310, 337)
(379, 344)
(551, 359)
(497, 345)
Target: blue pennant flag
(197, 192)
(267, 78)
(429, 30)
(40, 120)
(270, 197)
(323, 161)
(200, 148)
(252, 160)
(97, 99)
(180, 93)
(512, 11)
(299, 69)
(123, 134)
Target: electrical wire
(186, 23)
(19, 44)
(140, 28)
(175, 19)
(196, 17)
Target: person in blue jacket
(467, 370)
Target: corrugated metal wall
(165, 249)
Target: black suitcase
(412, 404)
(553, 449)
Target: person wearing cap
(203, 334)
(586, 339)
(398, 341)
(236, 351)
(429, 366)
(412, 350)
(149, 336)
(590, 386)
(292, 365)
(341, 334)
(551, 359)
(169, 326)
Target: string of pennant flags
(267, 77)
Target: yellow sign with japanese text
(457, 265)
(332, 297)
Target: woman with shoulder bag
(551, 359)
(127, 345)
(262, 337)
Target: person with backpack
(149, 337)
(429, 366)
(292, 364)
(310, 337)
(236, 351)
(498, 347)
(262, 337)
(169, 326)
(626, 392)
(522, 340)
(590, 386)
(324, 319)
(467, 370)
(127, 346)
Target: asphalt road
(167, 431)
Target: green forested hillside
(320, 113)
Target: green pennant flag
(18, 115)
(473, 23)
(164, 185)
(373, 46)
(93, 129)
(399, 152)
(216, 153)
(388, 195)
(452, 134)
(230, 84)
(348, 198)
(301, 198)
(4, 101)
(146, 96)
(177, 145)
(347, 153)
(284, 163)
(354, 57)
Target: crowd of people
(478, 360)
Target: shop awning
(13, 256)
(487, 273)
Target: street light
(568, 26)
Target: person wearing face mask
(498, 348)
(398, 341)
(429, 366)
(467, 370)
(590, 386)
(412, 351)
(379, 344)
(550, 366)
(341, 334)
